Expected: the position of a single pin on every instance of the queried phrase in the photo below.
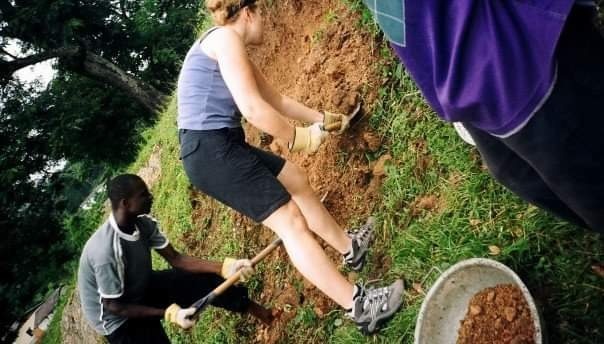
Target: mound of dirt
(498, 315)
(314, 53)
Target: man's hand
(308, 139)
(335, 122)
(231, 265)
(176, 315)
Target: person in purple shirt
(526, 80)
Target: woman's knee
(295, 179)
(287, 220)
(293, 217)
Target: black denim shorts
(222, 165)
(183, 288)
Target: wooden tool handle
(235, 277)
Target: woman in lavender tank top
(217, 85)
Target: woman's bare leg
(318, 218)
(307, 255)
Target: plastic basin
(447, 301)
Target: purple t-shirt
(486, 62)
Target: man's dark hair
(122, 187)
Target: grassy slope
(474, 212)
(553, 258)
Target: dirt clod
(372, 140)
(510, 313)
(498, 315)
(475, 310)
(475, 222)
(427, 203)
(380, 166)
(418, 288)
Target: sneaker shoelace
(376, 300)
(362, 235)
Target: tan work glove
(176, 315)
(232, 265)
(308, 139)
(335, 122)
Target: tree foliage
(114, 61)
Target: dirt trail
(314, 53)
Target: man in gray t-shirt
(123, 298)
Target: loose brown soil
(312, 52)
(498, 315)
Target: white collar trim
(129, 237)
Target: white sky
(41, 71)
(51, 167)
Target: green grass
(171, 204)
(474, 212)
(552, 257)
(53, 335)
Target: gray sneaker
(361, 238)
(374, 306)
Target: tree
(115, 60)
(118, 43)
(28, 218)
(71, 45)
(146, 39)
(86, 121)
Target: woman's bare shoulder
(222, 40)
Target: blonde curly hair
(225, 11)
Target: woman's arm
(285, 105)
(238, 74)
